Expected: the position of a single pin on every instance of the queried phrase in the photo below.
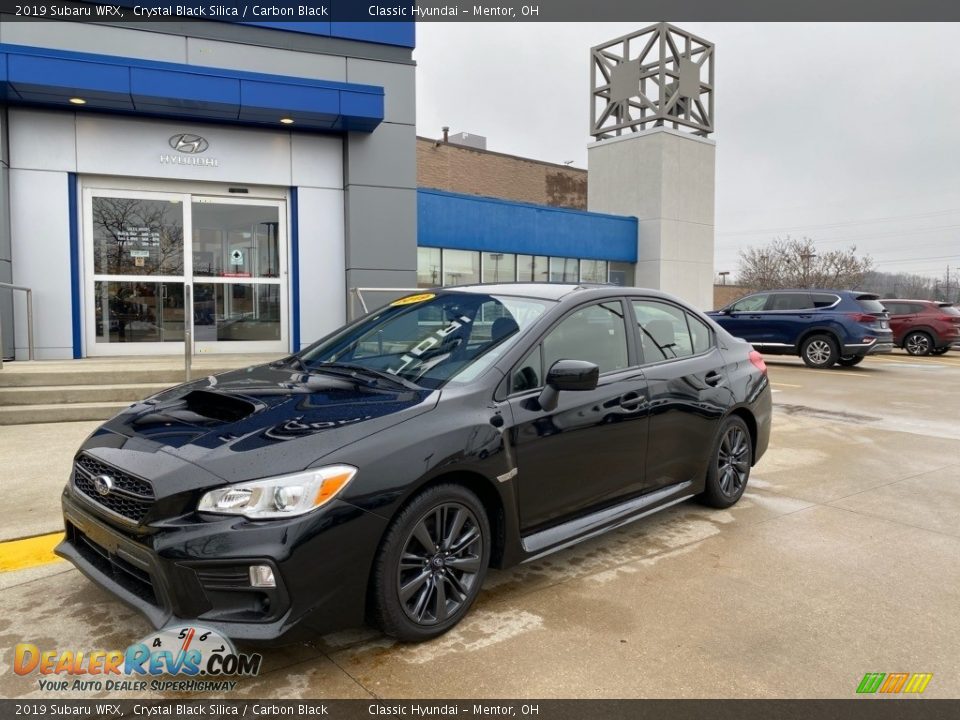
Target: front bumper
(195, 568)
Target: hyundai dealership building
(265, 169)
(233, 182)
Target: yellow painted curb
(29, 552)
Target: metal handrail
(29, 292)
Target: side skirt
(583, 528)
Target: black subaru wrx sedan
(378, 473)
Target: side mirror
(567, 375)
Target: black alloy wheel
(729, 469)
(918, 343)
(432, 563)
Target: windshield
(430, 339)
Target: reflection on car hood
(267, 420)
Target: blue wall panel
(467, 222)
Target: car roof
(554, 291)
(857, 293)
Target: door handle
(713, 378)
(631, 400)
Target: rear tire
(918, 343)
(851, 360)
(730, 462)
(819, 351)
(431, 564)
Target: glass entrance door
(143, 248)
(237, 261)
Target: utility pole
(807, 256)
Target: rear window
(871, 305)
(823, 300)
(950, 310)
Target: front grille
(125, 574)
(130, 497)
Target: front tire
(819, 351)
(851, 360)
(431, 564)
(918, 343)
(730, 462)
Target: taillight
(863, 317)
(756, 359)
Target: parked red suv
(924, 327)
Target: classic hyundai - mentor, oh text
(378, 473)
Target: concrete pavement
(842, 558)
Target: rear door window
(667, 332)
(751, 303)
(790, 301)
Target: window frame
(711, 346)
(634, 359)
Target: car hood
(265, 420)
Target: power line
(844, 223)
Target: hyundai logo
(189, 143)
(103, 484)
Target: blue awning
(38, 76)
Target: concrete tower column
(665, 178)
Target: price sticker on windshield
(411, 299)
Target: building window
(564, 270)
(499, 267)
(532, 268)
(428, 267)
(593, 271)
(461, 267)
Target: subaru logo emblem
(103, 484)
(189, 143)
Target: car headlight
(279, 497)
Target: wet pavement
(842, 558)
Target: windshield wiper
(352, 370)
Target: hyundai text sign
(188, 146)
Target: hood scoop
(218, 406)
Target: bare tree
(795, 263)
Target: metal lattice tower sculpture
(660, 76)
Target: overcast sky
(842, 132)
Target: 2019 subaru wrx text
(379, 473)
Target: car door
(590, 450)
(902, 317)
(746, 318)
(788, 314)
(687, 387)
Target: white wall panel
(121, 146)
(322, 279)
(317, 161)
(43, 140)
(40, 234)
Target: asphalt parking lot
(842, 558)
